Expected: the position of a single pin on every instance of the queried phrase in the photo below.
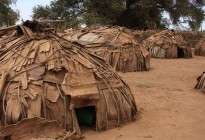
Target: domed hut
(167, 44)
(200, 48)
(116, 45)
(45, 78)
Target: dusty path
(169, 107)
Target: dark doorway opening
(86, 116)
(180, 52)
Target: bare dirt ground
(169, 107)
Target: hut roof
(116, 45)
(200, 48)
(46, 76)
(114, 36)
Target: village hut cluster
(45, 77)
(51, 83)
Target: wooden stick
(68, 135)
(41, 21)
(75, 123)
(44, 100)
(8, 28)
(3, 82)
(51, 21)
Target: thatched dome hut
(46, 76)
(167, 44)
(116, 45)
(200, 48)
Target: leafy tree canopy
(136, 14)
(7, 15)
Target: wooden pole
(8, 28)
(41, 21)
(51, 21)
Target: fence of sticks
(116, 45)
(167, 44)
(47, 84)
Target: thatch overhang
(46, 76)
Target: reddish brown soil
(169, 107)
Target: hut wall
(124, 59)
(157, 52)
(130, 60)
(117, 109)
(171, 52)
(188, 52)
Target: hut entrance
(180, 52)
(86, 116)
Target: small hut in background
(48, 83)
(200, 48)
(116, 45)
(167, 44)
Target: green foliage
(191, 12)
(136, 14)
(106, 11)
(7, 15)
(148, 14)
(70, 10)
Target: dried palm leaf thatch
(167, 44)
(46, 76)
(200, 48)
(116, 45)
(201, 83)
